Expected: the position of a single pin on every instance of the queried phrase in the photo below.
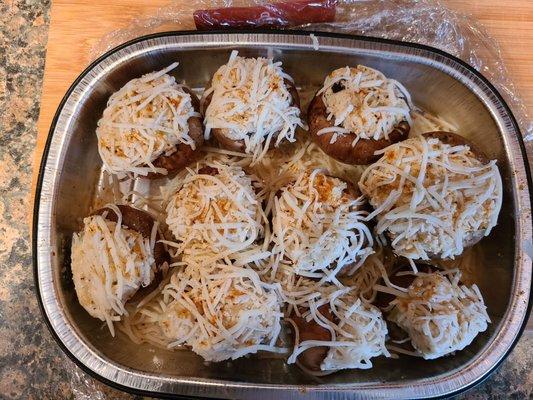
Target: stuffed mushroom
(219, 311)
(151, 127)
(433, 195)
(318, 226)
(114, 256)
(438, 313)
(215, 209)
(334, 329)
(251, 106)
(357, 112)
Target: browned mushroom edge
(184, 154)
(313, 357)
(207, 170)
(342, 150)
(453, 139)
(143, 223)
(239, 145)
(383, 299)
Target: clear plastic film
(84, 387)
(426, 22)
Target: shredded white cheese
(440, 315)
(363, 102)
(357, 335)
(145, 119)
(364, 281)
(319, 227)
(219, 311)
(219, 214)
(250, 102)
(283, 166)
(109, 264)
(432, 198)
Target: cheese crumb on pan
(362, 101)
(219, 311)
(432, 198)
(318, 225)
(439, 314)
(357, 334)
(216, 210)
(145, 119)
(314, 41)
(250, 102)
(109, 264)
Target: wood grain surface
(77, 25)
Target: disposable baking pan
(70, 175)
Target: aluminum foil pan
(71, 171)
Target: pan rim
(236, 385)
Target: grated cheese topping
(357, 335)
(145, 119)
(319, 227)
(439, 314)
(179, 314)
(432, 198)
(219, 311)
(219, 214)
(251, 102)
(365, 280)
(109, 264)
(363, 102)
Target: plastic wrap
(426, 22)
(275, 15)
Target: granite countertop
(31, 364)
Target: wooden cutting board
(77, 25)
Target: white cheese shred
(314, 41)
(365, 280)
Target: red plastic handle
(278, 15)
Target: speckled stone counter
(31, 364)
